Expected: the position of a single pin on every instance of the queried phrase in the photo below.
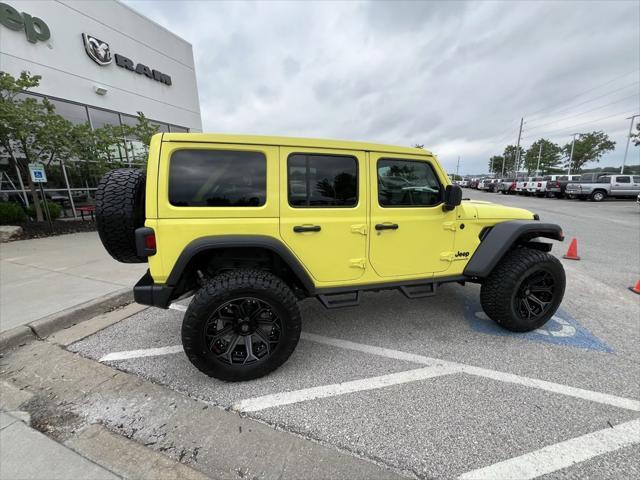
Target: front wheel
(241, 325)
(524, 290)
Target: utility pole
(539, 155)
(458, 166)
(626, 150)
(491, 166)
(503, 157)
(573, 143)
(518, 147)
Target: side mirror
(452, 197)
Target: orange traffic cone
(572, 253)
(636, 289)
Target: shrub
(11, 213)
(54, 209)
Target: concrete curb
(16, 336)
(45, 326)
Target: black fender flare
(272, 244)
(502, 238)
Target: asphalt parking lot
(429, 387)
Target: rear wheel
(241, 325)
(598, 196)
(524, 290)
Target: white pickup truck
(619, 186)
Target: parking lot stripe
(561, 455)
(604, 398)
(147, 352)
(177, 306)
(324, 391)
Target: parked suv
(251, 225)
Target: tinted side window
(407, 183)
(217, 178)
(636, 179)
(623, 180)
(322, 180)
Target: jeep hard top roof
(290, 142)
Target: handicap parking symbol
(37, 174)
(561, 329)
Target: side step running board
(338, 300)
(419, 291)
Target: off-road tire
(598, 196)
(120, 200)
(498, 294)
(223, 288)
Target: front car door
(411, 235)
(323, 210)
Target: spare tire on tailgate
(120, 211)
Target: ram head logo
(97, 50)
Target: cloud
(455, 76)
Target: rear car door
(323, 210)
(410, 233)
(621, 185)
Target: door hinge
(361, 229)
(449, 226)
(357, 263)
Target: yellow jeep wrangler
(249, 225)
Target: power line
(535, 127)
(546, 133)
(587, 91)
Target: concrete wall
(69, 73)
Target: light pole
(626, 150)
(573, 142)
(503, 157)
(539, 154)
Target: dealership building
(102, 62)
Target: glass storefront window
(176, 129)
(100, 118)
(76, 114)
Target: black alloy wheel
(243, 331)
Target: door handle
(306, 228)
(387, 226)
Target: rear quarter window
(217, 178)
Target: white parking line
(177, 306)
(560, 455)
(324, 391)
(147, 352)
(620, 402)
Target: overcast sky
(455, 76)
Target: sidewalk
(47, 275)
(29, 454)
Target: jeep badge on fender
(249, 226)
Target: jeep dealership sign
(34, 28)
(100, 53)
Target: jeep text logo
(462, 254)
(34, 28)
(100, 53)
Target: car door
(410, 233)
(621, 185)
(635, 186)
(323, 210)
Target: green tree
(30, 130)
(549, 156)
(509, 154)
(635, 137)
(588, 147)
(145, 129)
(495, 164)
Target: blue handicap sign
(561, 329)
(37, 174)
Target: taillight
(150, 241)
(145, 242)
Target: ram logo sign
(97, 50)
(100, 53)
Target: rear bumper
(146, 292)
